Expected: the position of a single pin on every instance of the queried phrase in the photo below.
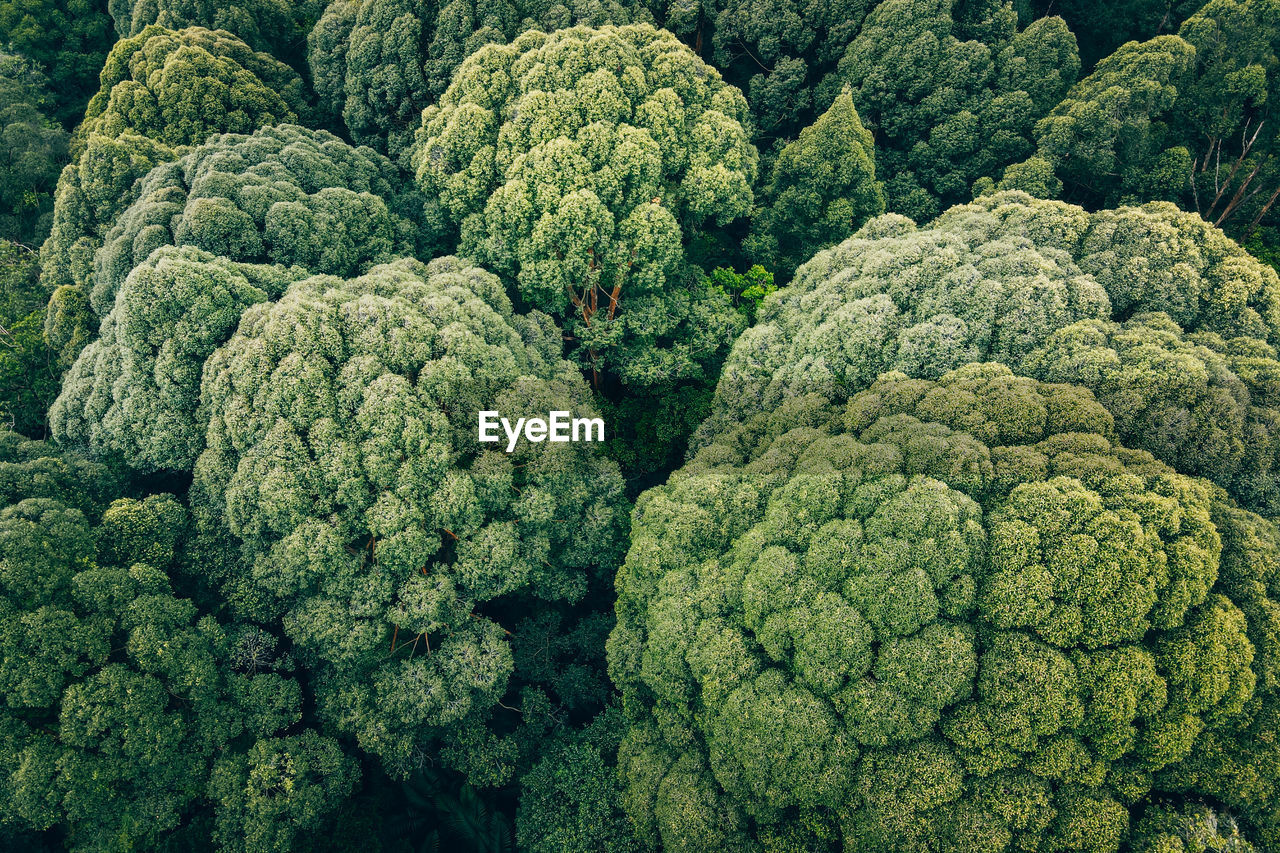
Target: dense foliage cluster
(28, 368)
(373, 524)
(161, 90)
(822, 188)
(274, 26)
(123, 706)
(378, 63)
(136, 389)
(952, 100)
(67, 39)
(1187, 117)
(947, 612)
(1170, 324)
(33, 145)
(937, 348)
(577, 166)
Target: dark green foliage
(951, 100)
(1103, 25)
(372, 522)
(118, 702)
(1225, 117)
(33, 470)
(33, 149)
(1107, 133)
(822, 187)
(584, 212)
(780, 53)
(1189, 118)
(570, 799)
(28, 369)
(932, 616)
(281, 784)
(67, 39)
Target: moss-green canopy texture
(277, 27)
(283, 195)
(576, 166)
(161, 89)
(122, 708)
(135, 391)
(241, 209)
(948, 614)
(342, 453)
(1045, 288)
(378, 63)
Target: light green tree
(378, 63)
(945, 614)
(271, 26)
(135, 391)
(1170, 323)
(342, 458)
(577, 166)
(161, 90)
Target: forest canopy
(936, 347)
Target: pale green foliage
(947, 615)
(576, 166)
(135, 391)
(1004, 279)
(821, 189)
(378, 63)
(342, 454)
(952, 97)
(284, 195)
(1202, 404)
(161, 90)
(920, 300)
